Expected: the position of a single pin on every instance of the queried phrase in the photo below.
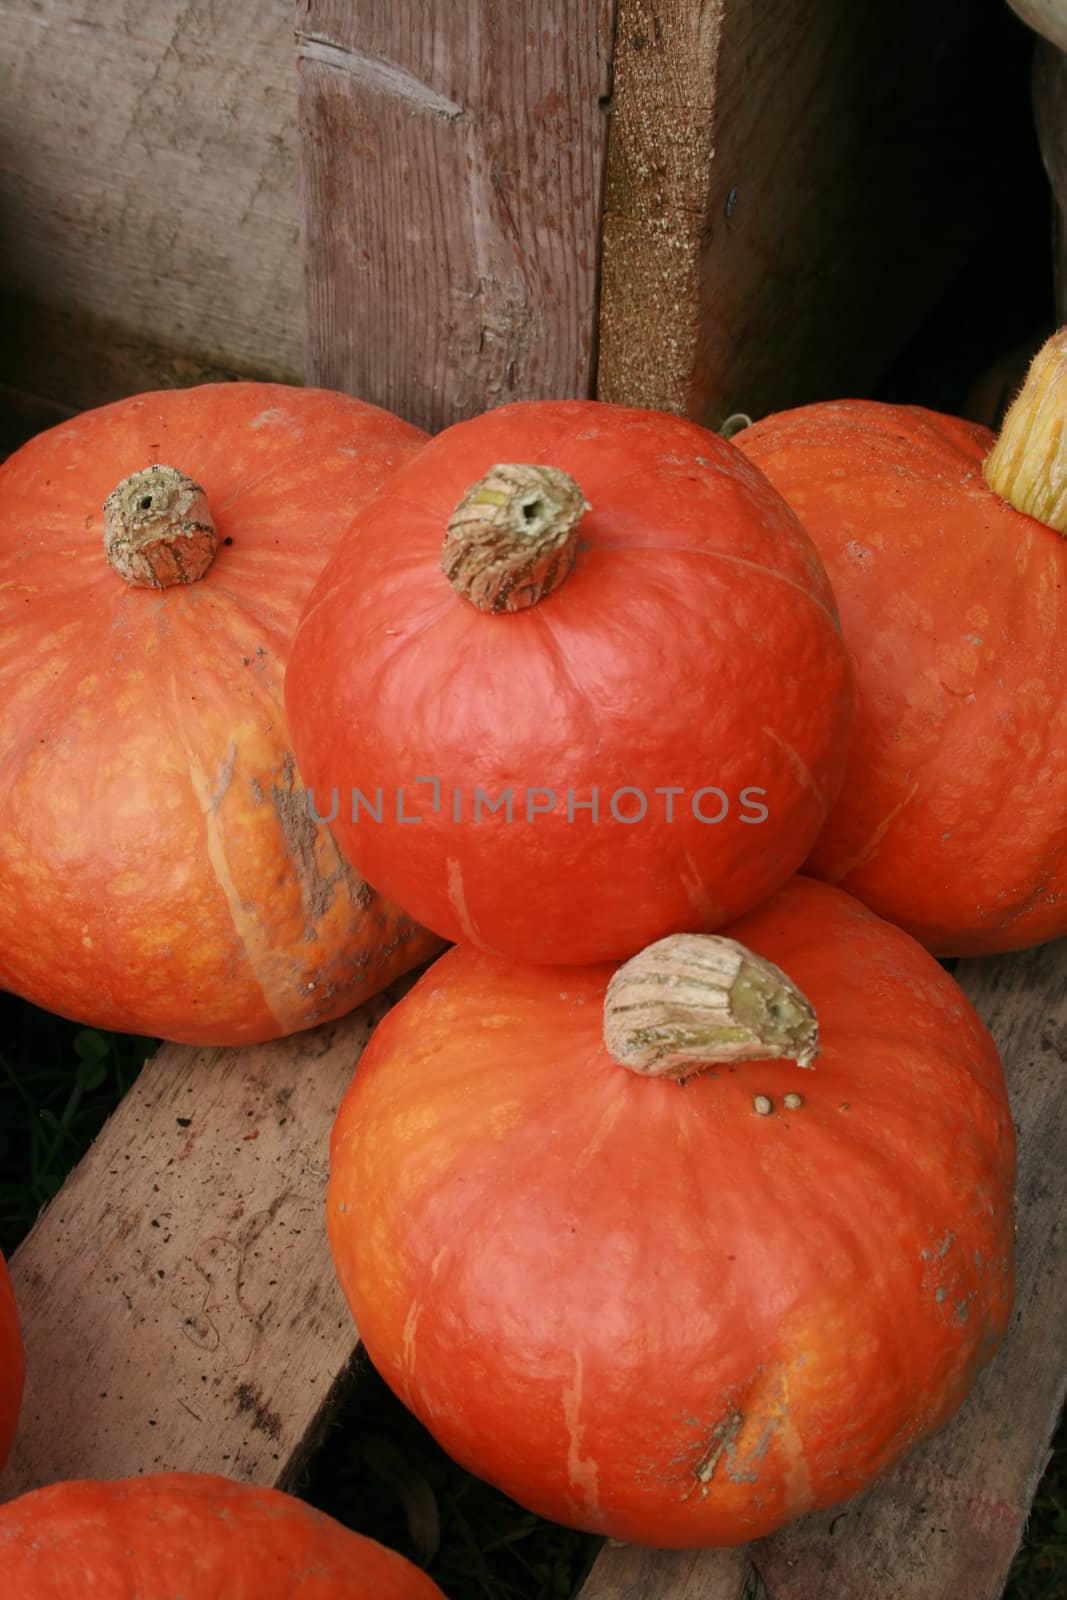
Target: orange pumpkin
(952, 820)
(585, 666)
(12, 1363)
(681, 1313)
(160, 871)
(194, 1535)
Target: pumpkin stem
(735, 423)
(158, 529)
(1028, 464)
(513, 537)
(694, 999)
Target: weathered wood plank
(178, 1301)
(948, 1521)
(451, 162)
(61, 361)
(625, 1573)
(148, 179)
(790, 186)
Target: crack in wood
(374, 72)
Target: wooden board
(452, 162)
(946, 1524)
(178, 1302)
(790, 186)
(148, 186)
(622, 1573)
(55, 363)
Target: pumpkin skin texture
(159, 869)
(694, 644)
(190, 1536)
(637, 1306)
(12, 1363)
(952, 820)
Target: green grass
(58, 1084)
(378, 1470)
(1040, 1569)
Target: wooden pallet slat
(622, 1572)
(177, 1298)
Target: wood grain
(59, 361)
(178, 1301)
(946, 1524)
(148, 179)
(625, 1573)
(452, 162)
(790, 186)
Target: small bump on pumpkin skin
(691, 1000)
(158, 529)
(513, 537)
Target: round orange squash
(952, 820)
(574, 682)
(12, 1363)
(193, 1535)
(681, 1312)
(160, 870)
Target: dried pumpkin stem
(158, 530)
(513, 537)
(1028, 464)
(695, 999)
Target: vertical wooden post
(452, 161)
(791, 185)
